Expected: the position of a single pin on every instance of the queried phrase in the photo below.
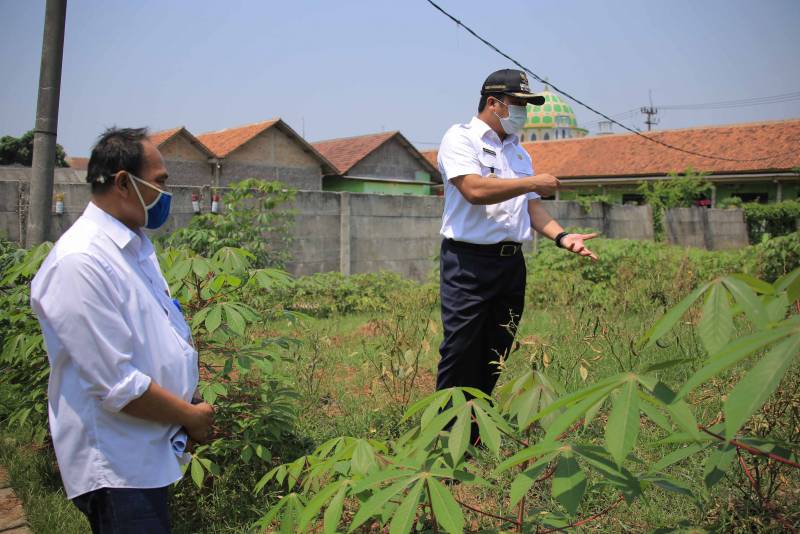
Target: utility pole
(44, 137)
(651, 112)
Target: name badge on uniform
(490, 151)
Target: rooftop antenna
(651, 113)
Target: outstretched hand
(575, 243)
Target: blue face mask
(157, 212)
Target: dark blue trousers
(483, 296)
(126, 510)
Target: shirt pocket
(521, 166)
(488, 163)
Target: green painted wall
(385, 188)
(790, 191)
(728, 190)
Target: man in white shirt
(492, 202)
(123, 367)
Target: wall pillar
(779, 188)
(344, 233)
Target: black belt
(504, 248)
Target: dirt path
(12, 516)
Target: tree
(19, 151)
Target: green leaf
(214, 318)
(404, 515)
(459, 434)
(541, 448)
(374, 505)
(197, 473)
(426, 402)
(755, 388)
(235, 320)
(523, 482)
(569, 483)
(575, 397)
(732, 353)
(445, 508)
(668, 320)
(623, 422)
(682, 415)
(334, 511)
(490, 435)
(316, 503)
(200, 267)
(716, 326)
(650, 409)
(363, 458)
(790, 283)
(749, 301)
(613, 474)
(676, 456)
(759, 286)
(777, 307)
(718, 463)
(564, 420)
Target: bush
(676, 192)
(325, 294)
(771, 220)
(25, 369)
(254, 218)
(630, 276)
(778, 256)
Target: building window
(533, 138)
(546, 136)
(761, 198)
(632, 198)
(522, 137)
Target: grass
(580, 332)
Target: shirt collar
(484, 129)
(120, 234)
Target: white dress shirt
(110, 327)
(475, 148)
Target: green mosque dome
(555, 115)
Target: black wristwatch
(559, 237)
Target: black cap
(511, 82)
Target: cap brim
(536, 100)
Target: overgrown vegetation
(771, 220)
(681, 190)
(323, 386)
(255, 218)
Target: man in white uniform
(492, 202)
(123, 368)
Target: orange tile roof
(431, 155)
(226, 141)
(159, 138)
(346, 152)
(630, 155)
(79, 164)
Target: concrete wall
(614, 221)
(713, 229)
(356, 233)
(273, 155)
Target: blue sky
(347, 68)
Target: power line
(590, 108)
(747, 102)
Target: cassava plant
(538, 436)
